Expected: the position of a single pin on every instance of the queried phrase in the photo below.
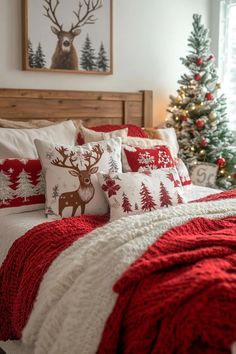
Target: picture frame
(69, 36)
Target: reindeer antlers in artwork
(87, 18)
(51, 13)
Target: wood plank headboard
(91, 106)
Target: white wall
(149, 37)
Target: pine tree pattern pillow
(134, 193)
(72, 186)
(22, 186)
(137, 159)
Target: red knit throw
(28, 260)
(180, 296)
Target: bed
(102, 278)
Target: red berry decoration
(197, 77)
(221, 162)
(203, 141)
(209, 96)
(211, 57)
(184, 119)
(200, 124)
(199, 61)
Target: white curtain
(227, 56)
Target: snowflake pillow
(183, 172)
(134, 193)
(72, 186)
(137, 159)
(22, 186)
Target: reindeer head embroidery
(85, 192)
(65, 55)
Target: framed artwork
(204, 174)
(67, 36)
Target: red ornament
(203, 141)
(184, 119)
(199, 61)
(234, 176)
(197, 77)
(209, 96)
(200, 124)
(221, 162)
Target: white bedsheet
(14, 226)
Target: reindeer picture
(68, 35)
(85, 192)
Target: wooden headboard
(91, 106)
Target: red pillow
(22, 186)
(133, 130)
(141, 159)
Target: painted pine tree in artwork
(165, 199)
(24, 188)
(31, 58)
(126, 205)
(87, 60)
(113, 167)
(39, 57)
(6, 192)
(102, 61)
(147, 200)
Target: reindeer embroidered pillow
(134, 193)
(22, 186)
(72, 187)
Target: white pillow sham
(19, 143)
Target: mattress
(16, 225)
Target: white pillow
(142, 142)
(134, 193)
(90, 135)
(20, 142)
(72, 186)
(168, 135)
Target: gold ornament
(192, 148)
(202, 152)
(212, 116)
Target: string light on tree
(199, 114)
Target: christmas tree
(39, 58)
(31, 56)
(87, 61)
(25, 188)
(165, 198)
(127, 207)
(198, 112)
(147, 201)
(6, 192)
(102, 61)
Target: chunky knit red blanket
(180, 296)
(28, 260)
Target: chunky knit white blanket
(76, 297)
